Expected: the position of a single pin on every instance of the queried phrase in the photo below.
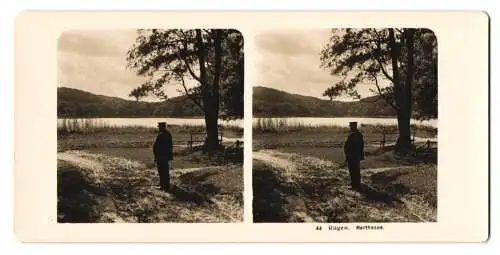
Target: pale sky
(289, 60)
(94, 61)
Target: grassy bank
(330, 148)
(79, 198)
(292, 187)
(269, 192)
(322, 140)
(95, 187)
(299, 174)
(108, 174)
(92, 134)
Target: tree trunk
(212, 129)
(403, 143)
(213, 135)
(404, 116)
(410, 68)
(210, 99)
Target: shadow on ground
(418, 181)
(181, 194)
(199, 184)
(77, 197)
(268, 204)
(375, 195)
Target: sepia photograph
(178, 124)
(345, 125)
(150, 126)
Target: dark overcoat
(162, 148)
(354, 146)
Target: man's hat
(353, 123)
(162, 124)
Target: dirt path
(323, 193)
(79, 159)
(89, 161)
(289, 162)
(130, 192)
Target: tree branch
(190, 70)
(185, 44)
(384, 96)
(395, 70)
(190, 96)
(379, 48)
(383, 70)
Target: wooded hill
(76, 103)
(272, 102)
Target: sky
(94, 61)
(289, 60)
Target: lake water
(344, 121)
(152, 122)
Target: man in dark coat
(354, 153)
(163, 153)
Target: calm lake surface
(153, 122)
(344, 121)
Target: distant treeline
(79, 104)
(272, 102)
(74, 103)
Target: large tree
(210, 58)
(406, 58)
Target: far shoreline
(253, 117)
(337, 117)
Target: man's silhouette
(354, 153)
(163, 153)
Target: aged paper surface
(463, 144)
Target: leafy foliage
(364, 56)
(425, 90)
(172, 57)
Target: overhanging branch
(188, 66)
(379, 48)
(384, 96)
(184, 59)
(191, 96)
(383, 69)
